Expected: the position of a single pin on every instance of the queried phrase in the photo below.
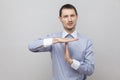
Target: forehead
(68, 11)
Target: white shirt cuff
(47, 42)
(75, 65)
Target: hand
(64, 40)
(67, 54)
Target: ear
(60, 18)
(77, 17)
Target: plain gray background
(22, 21)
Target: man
(71, 53)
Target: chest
(76, 49)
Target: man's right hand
(64, 40)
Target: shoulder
(85, 38)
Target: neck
(69, 31)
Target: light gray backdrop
(22, 21)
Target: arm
(42, 45)
(64, 40)
(87, 65)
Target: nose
(69, 18)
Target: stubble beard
(70, 30)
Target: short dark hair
(67, 6)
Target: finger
(66, 50)
(75, 39)
(66, 47)
(71, 39)
(66, 43)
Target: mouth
(70, 23)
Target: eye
(72, 15)
(65, 16)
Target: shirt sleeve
(47, 42)
(75, 65)
(87, 64)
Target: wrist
(55, 40)
(69, 60)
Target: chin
(70, 28)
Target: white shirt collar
(74, 34)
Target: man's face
(68, 19)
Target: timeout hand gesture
(67, 54)
(64, 40)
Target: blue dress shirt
(80, 50)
